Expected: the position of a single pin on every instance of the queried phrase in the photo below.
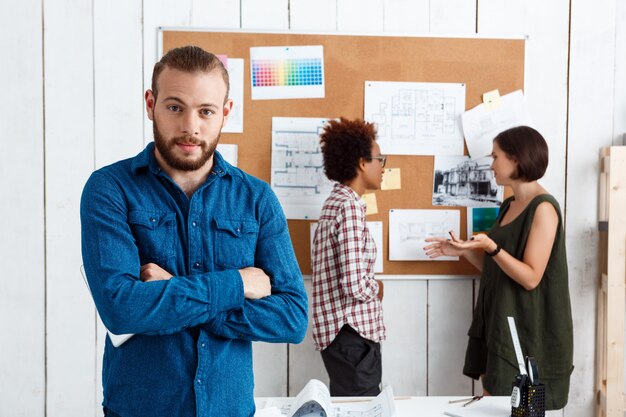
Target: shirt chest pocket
(235, 242)
(155, 234)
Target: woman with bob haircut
(347, 312)
(523, 274)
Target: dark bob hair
(344, 142)
(528, 148)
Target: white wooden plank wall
(69, 133)
(450, 307)
(118, 102)
(22, 256)
(84, 73)
(404, 352)
(304, 361)
(590, 127)
(307, 15)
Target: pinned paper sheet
(480, 125)
(391, 179)
(235, 118)
(229, 152)
(370, 200)
(491, 99)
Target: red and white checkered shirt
(344, 288)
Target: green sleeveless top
(543, 315)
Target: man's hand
(381, 290)
(153, 272)
(256, 284)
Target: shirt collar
(146, 159)
(348, 191)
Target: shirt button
(194, 224)
(152, 219)
(203, 344)
(199, 381)
(238, 230)
(196, 265)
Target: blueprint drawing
(298, 178)
(416, 118)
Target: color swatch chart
(285, 72)
(289, 72)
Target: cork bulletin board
(349, 60)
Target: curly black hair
(344, 142)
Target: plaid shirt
(344, 288)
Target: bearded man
(189, 254)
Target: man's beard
(166, 146)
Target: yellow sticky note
(370, 200)
(391, 179)
(491, 99)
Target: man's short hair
(344, 142)
(526, 146)
(189, 59)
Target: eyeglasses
(381, 158)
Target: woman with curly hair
(347, 312)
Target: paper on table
(268, 412)
(315, 398)
(477, 409)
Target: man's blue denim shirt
(192, 352)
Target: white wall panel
(453, 17)
(69, 124)
(22, 297)
(407, 16)
(93, 105)
(118, 85)
(405, 350)
(118, 102)
(310, 15)
(502, 17)
(360, 16)
(270, 360)
(305, 362)
(270, 369)
(159, 13)
(546, 25)
(546, 84)
(450, 308)
(266, 14)
(619, 123)
(591, 116)
(216, 13)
